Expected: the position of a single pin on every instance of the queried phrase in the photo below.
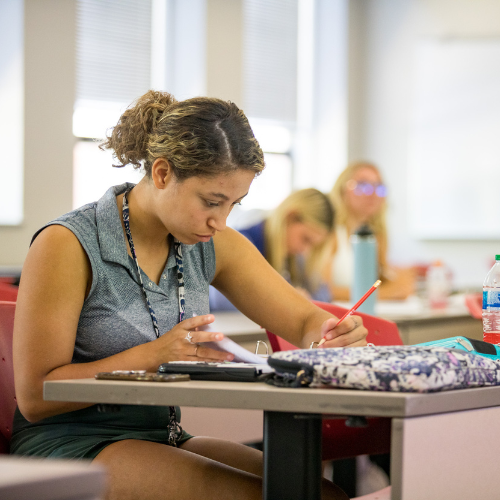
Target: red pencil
(353, 308)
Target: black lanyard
(174, 428)
(178, 262)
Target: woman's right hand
(185, 342)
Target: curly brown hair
(199, 136)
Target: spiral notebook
(228, 371)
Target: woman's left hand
(349, 333)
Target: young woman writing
(114, 285)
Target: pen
(353, 308)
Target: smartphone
(143, 376)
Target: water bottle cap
(364, 230)
(497, 257)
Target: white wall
(225, 50)
(49, 79)
(383, 37)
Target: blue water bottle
(364, 245)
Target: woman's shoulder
(69, 231)
(83, 218)
(56, 258)
(92, 221)
(234, 248)
(77, 227)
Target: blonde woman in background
(293, 238)
(359, 197)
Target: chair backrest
(380, 331)
(8, 292)
(7, 394)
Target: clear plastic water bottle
(364, 246)
(491, 304)
(438, 284)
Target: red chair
(340, 440)
(474, 303)
(7, 279)
(7, 395)
(8, 292)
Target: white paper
(241, 355)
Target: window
(93, 173)
(294, 79)
(270, 94)
(269, 190)
(113, 68)
(270, 59)
(12, 106)
(295, 87)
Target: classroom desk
(417, 322)
(41, 479)
(444, 445)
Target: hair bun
(129, 138)
(151, 106)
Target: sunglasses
(367, 188)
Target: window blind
(113, 61)
(270, 59)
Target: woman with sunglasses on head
(122, 284)
(359, 197)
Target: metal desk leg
(292, 456)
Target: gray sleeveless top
(115, 316)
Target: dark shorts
(85, 433)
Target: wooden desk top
(260, 396)
(415, 309)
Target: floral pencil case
(412, 368)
